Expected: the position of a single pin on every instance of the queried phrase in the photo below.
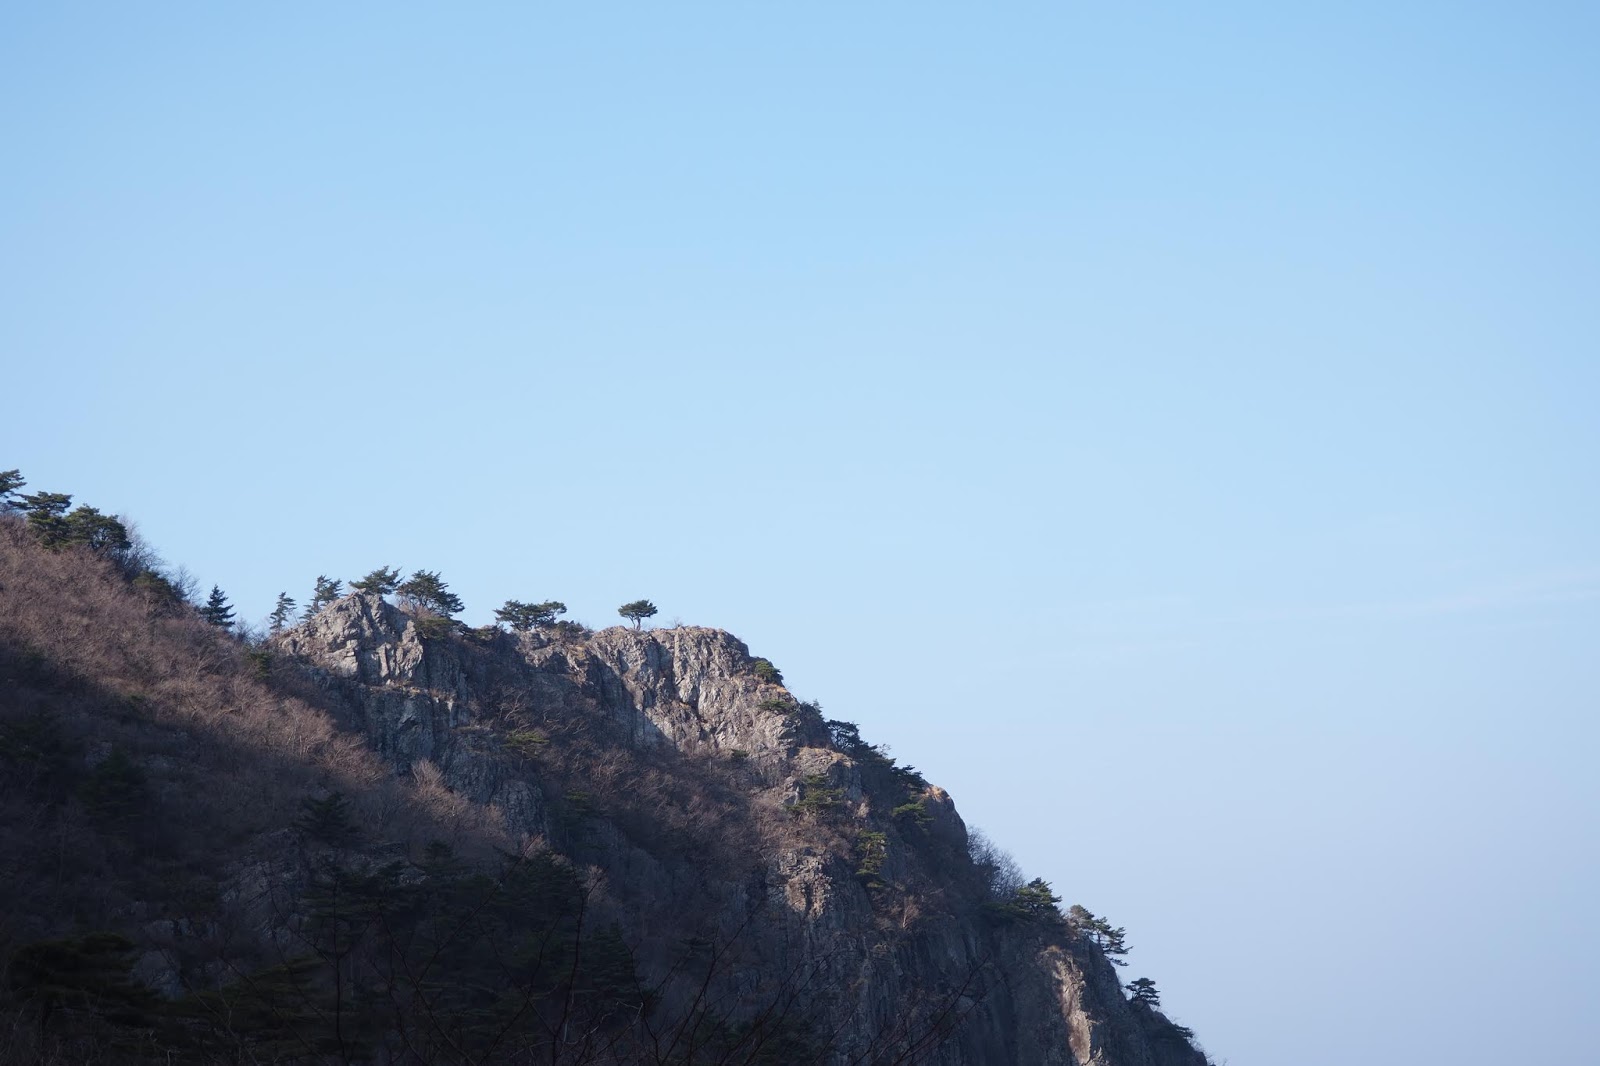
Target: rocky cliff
(716, 809)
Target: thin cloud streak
(1118, 619)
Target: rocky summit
(380, 836)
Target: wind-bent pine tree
(326, 592)
(10, 482)
(45, 503)
(383, 581)
(1110, 939)
(281, 612)
(46, 513)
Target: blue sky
(1170, 427)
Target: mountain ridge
(689, 797)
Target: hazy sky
(1171, 427)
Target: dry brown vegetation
(151, 763)
(91, 666)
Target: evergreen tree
(217, 611)
(1144, 991)
(516, 614)
(326, 592)
(55, 528)
(46, 513)
(427, 591)
(328, 821)
(1108, 938)
(52, 503)
(525, 616)
(383, 581)
(101, 533)
(1115, 943)
(637, 611)
(1036, 899)
(10, 482)
(87, 979)
(282, 612)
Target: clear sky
(1172, 427)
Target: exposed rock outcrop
(718, 806)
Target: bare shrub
(1001, 874)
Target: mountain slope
(611, 847)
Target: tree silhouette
(637, 611)
(10, 482)
(1144, 991)
(1036, 899)
(101, 533)
(217, 611)
(426, 590)
(281, 612)
(46, 513)
(383, 581)
(525, 616)
(326, 592)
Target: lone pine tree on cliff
(638, 611)
(1144, 991)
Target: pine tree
(326, 592)
(638, 611)
(516, 614)
(427, 591)
(525, 616)
(217, 611)
(46, 513)
(1108, 938)
(101, 533)
(1144, 991)
(281, 613)
(383, 581)
(1115, 943)
(10, 482)
(328, 821)
(1036, 899)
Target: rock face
(716, 806)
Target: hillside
(378, 838)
